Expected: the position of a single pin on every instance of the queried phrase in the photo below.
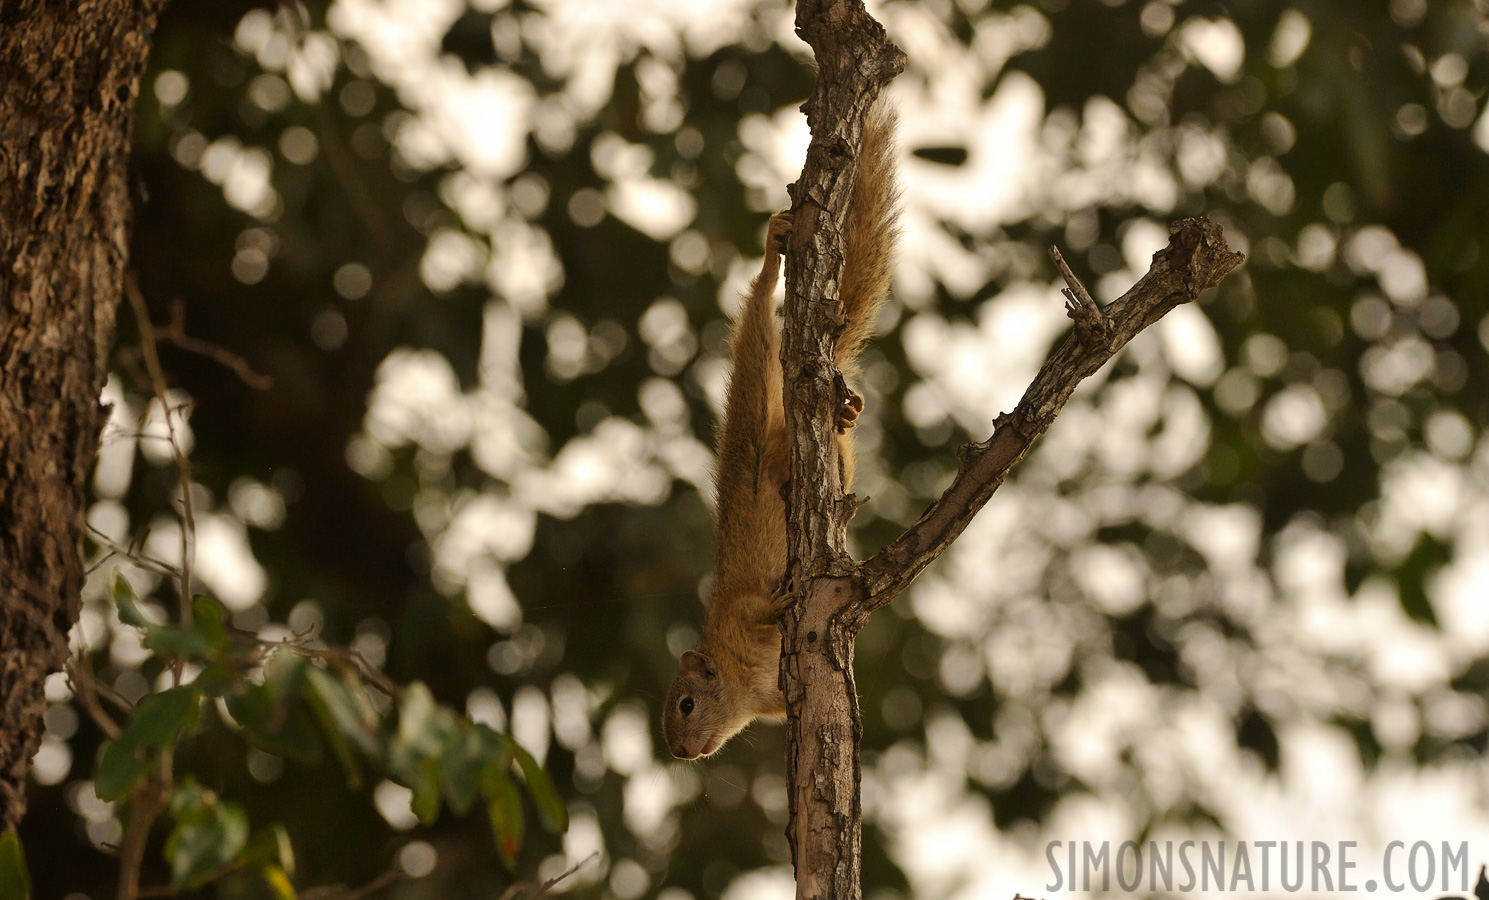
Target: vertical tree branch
(855, 60)
(832, 597)
(69, 75)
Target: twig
(341, 892)
(349, 658)
(80, 673)
(111, 694)
(1091, 323)
(299, 643)
(1196, 259)
(101, 561)
(159, 566)
(515, 891)
(183, 465)
(175, 333)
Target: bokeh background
(487, 251)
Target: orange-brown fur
(730, 678)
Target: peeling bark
(69, 76)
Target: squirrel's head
(700, 715)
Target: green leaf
(159, 721)
(276, 724)
(270, 846)
(551, 810)
(504, 808)
(279, 883)
(285, 673)
(127, 603)
(209, 620)
(169, 640)
(424, 727)
(341, 721)
(121, 765)
(351, 715)
(339, 744)
(188, 795)
(466, 754)
(426, 791)
(216, 679)
(15, 881)
(207, 839)
(283, 848)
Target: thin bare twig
(1090, 321)
(85, 688)
(1196, 259)
(515, 891)
(183, 465)
(341, 892)
(159, 566)
(101, 561)
(175, 333)
(343, 657)
(1076, 292)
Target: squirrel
(732, 675)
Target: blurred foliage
(1348, 158)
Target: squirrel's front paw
(848, 410)
(780, 600)
(778, 231)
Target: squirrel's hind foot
(849, 408)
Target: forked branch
(831, 597)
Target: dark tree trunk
(69, 75)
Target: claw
(778, 232)
(780, 601)
(848, 410)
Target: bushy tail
(870, 234)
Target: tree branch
(183, 464)
(144, 805)
(831, 597)
(1196, 258)
(855, 59)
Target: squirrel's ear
(695, 663)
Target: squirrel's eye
(686, 705)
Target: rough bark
(832, 596)
(855, 59)
(69, 75)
